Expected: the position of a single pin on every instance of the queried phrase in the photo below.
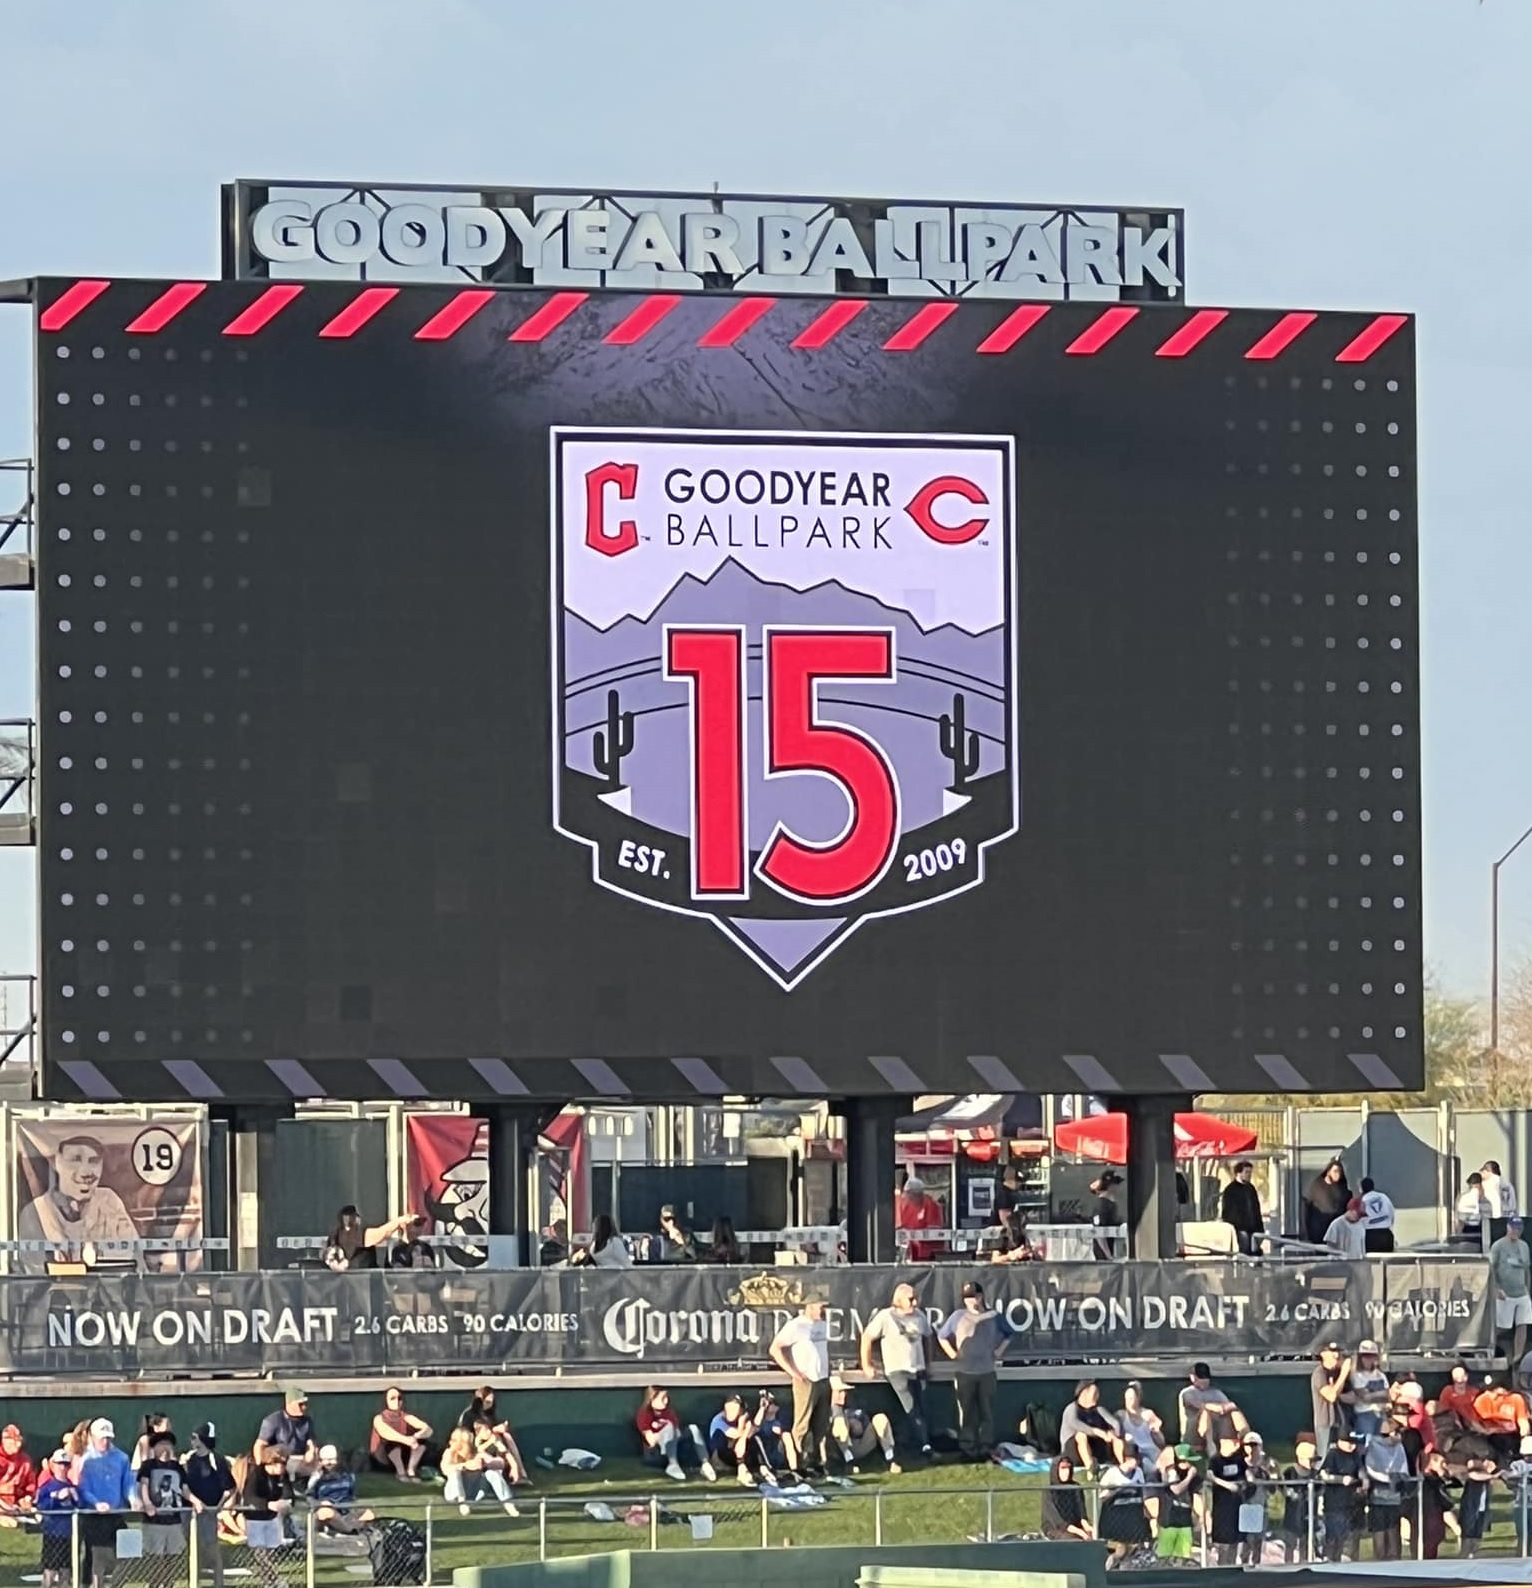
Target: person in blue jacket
(57, 1501)
(106, 1493)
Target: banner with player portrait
(85, 1182)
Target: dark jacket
(1241, 1207)
(1323, 1203)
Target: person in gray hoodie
(1388, 1476)
(975, 1338)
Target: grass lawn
(944, 1503)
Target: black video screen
(484, 694)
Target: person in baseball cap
(1510, 1272)
(974, 1338)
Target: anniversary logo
(416, 1321)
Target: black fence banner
(413, 1321)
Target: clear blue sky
(1370, 154)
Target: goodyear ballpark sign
(697, 241)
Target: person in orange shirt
(1504, 1415)
(917, 1211)
(1459, 1395)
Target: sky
(1370, 155)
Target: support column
(870, 1124)
(513, 1132)
(1151, 1173)
(253, 1177)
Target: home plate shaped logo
(784, 674)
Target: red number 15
(795, 662)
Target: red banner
(447, 1172)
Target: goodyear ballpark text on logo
(705, 240)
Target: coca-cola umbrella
(1105, 1137)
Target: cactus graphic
(959, 746)
(610, 746)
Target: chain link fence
(411, 1542)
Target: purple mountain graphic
(932, 667)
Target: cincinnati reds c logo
(922, 509)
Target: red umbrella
(1105, 1137)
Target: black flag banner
(409, 1321)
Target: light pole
(1494, 942)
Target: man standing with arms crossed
(902, 1331)
(975, 1338)
(802, 1350)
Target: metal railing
(398, 1540)
(16, 523)
(18, 774)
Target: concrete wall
(835, 1567)
(597, 1419)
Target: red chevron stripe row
(734, 323)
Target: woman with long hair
(467, 1471)
(724, 1247)
(665, 1442)
(607, 1248)
(1324, 1201)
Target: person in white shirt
(801, 1350)
(1474, 1213)
(1378, 1216)
(1347, 1235)
(1501, 1196)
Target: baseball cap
(668, 1211)
(1367, 1348)
(1354, 1205)
(1185, 1453)
(1412, 1392)
(207, 1433)
(1253, 1438)
(294, 1394)
(328, 1453)
(102, 1429)
(1201, 1370)
(1330, 1345)
(971, 1289)
(1515, 1219)
(914, 1183)
(59, 1455)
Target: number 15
(794, 662)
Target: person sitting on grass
(1088, 1432)
(665, 1444)
(332, 1493)
(774, 1439)
(1064, 1515)
(857, 1435)
(467, 1471)
(492, 1433)
(731, 1441)
(400, 1441)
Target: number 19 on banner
(794, 663)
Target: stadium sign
(696, 241)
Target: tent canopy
(1105, 1137)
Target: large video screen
(476, 693)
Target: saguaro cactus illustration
(614, 742)
(959, 746)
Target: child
(57, 1500)
(1473, 1509)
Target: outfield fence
(405, 1541)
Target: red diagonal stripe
(920, 325)
(359, 311)
(454, 315)
(735, 323)
(642, 320)
(1013, 327)
(553, 313)
(1201, 324)
(1361, 348)
(258, 315)
(1286, 331)
(166, 307)
(1102, 329)
(69, 303)
(827, 326)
